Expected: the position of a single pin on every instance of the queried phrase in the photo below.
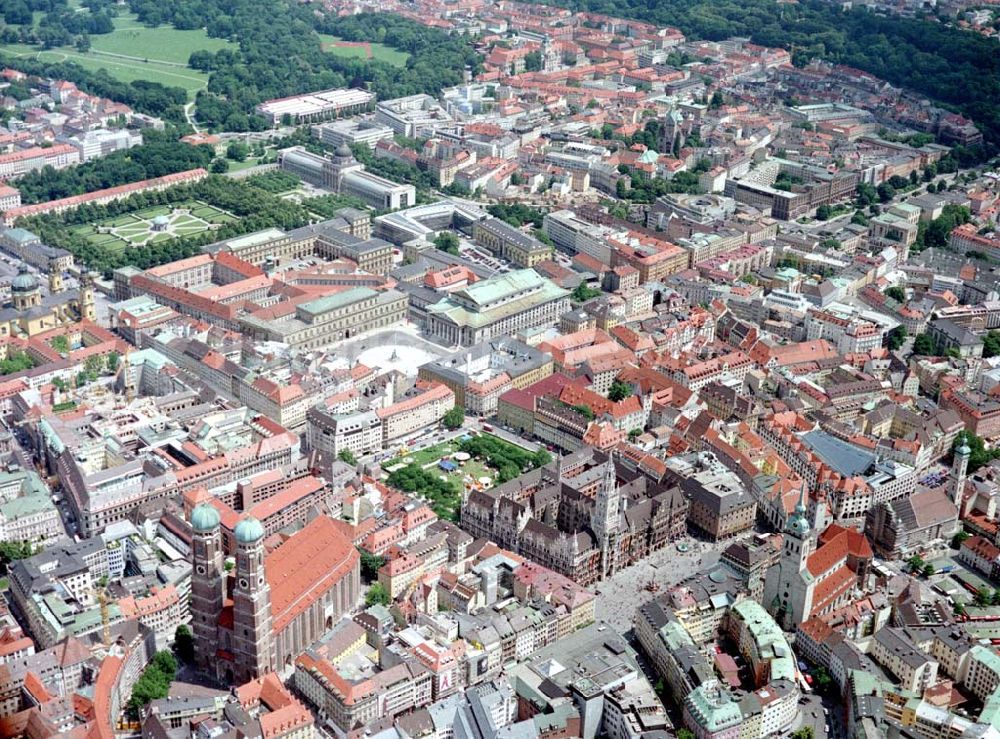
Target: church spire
(604, 521)
(798, 522)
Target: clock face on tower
(244, 583)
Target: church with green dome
(32, 311)
(283, 593)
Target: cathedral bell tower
(207, 583)
(252, 648)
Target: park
(154, 225)
(444, 473)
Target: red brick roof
(302, 569)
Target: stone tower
(55, 282)
(789, 587)
(252, 649)
(88, 308)
(672, 133)
(207, 583)
(605, 517)
(959, 468)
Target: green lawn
(247, 163)
(379, 51)
(133, 229)
(157, 54)
(165, 44)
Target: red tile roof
(302, 569)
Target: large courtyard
(399, 348)
(153, 225)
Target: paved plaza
(620, 596)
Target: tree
(164, 661)
(83, 44)
(370, 564)
(991, 344)
(804, 732)
(822, 680)
(454, 418)
(17, 13)
(377, 595)
(957, 539)
(958, 609)
(896, 293)
(60, 344)
(718, 99)
(886, 192)
(895, 338)
(688, 734)
(979, 455)
(16, 362)
(923, 344)
(237, 151)
(915, 563)
(866, 195)
(184, 643)
(219, 166)
(533, 62)
(938, 232)
(154, 682)
(13, 550)
(929, 570)
(347, 456)
(619, 391)
(983, 596)
(583, 292)
(446, 241)
(824, 212)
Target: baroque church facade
(29, 312)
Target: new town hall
(585, 516)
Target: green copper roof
(249, 530)
(204, 518)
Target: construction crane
(102, 600)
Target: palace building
(276, 602)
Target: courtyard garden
(443, 472)
(154, 225)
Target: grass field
(137, 229)
(164, 44)
(379, 51)
(133, 52)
